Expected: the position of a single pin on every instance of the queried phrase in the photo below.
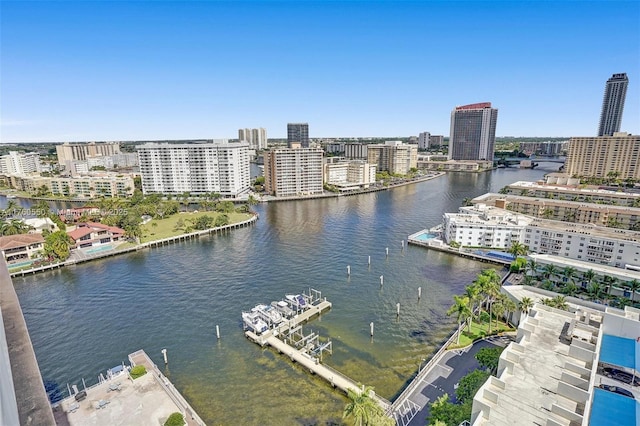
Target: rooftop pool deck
(620, 351)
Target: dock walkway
(335, 378)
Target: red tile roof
(20, 240)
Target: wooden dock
(335, 378)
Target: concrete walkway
(441, 378)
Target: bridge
(535, 158)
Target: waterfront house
(20, 247)
(91, 234)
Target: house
(91, 234)
(72, 215)
(20, 247)
(40, 224)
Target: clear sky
(80, 71)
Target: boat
(282, 307)
(11, 197)
(253, 322)
(297, 302)
(268, 314)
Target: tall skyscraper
(473, 132)
(298, 133)
(613, 104)
(257, 138)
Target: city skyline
(163, 70)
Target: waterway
(85, 319)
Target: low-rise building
(103, 184)
(621, 217)
(440, 163)
(16, 248)
(91, 234)
(350, 175)
(573, 193)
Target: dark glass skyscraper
(613, 104)
(473, 132)
(298, 133)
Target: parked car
(621, 376)
(618, 390)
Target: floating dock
(302, 357)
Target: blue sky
(78, 71)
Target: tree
(525, 305)
(461, 309)
(488, 358)
(634, 286)
(469, 384)
(589, 277)
(175, 419)
(221, 220)
(517, 249)
(549, 271)
(532, 267)
(13, 227)
(446, 412)
(471, 293)
(609, 282)
(57, 245)
(362, 408)
(559, 302)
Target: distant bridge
(538, 159)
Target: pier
(302, 357)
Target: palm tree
(471, 292)
(532, 267)
(362, 408)
(560, 302)
(634, 286)
(589, 276)
(14, 227)
(499, 309)
(569, 273)
(461, 309)
(609, 282)
(595, 290)
(517, 249)
(549, 271)
(525, 305)
(511, 307)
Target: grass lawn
(165, 228)
(479, 331)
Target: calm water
(85, 319)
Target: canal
(86, 319)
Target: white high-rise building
(20, 163)
(197, 168)
(257, 138)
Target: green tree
(518, 249)
(525, 305)
(361, 407)
(57, 245)
(446, 412)
(488, 358)
(469, 384)
(13, 227)
(221, 220)
(461, 310)
(203, 222)
(175, 419)
(634, 286)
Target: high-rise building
(423, 140)
(602, 155)
(257, 138)
(298, 133)
(473, 132)
(613, 104)
(20, 163)
(393, 156)
(197, 168)
(293, 171)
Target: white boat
(297, 302)
(282, 307)
(10, 197)
(253, 322)
(268, 314)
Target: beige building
(103, 185)
(350, 175)
(292, 172)
(394, 157)
(573, 193)
(621, 217)
(68, 152)
(598, 156)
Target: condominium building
(20, 163)
(107, 185)
(198, 168)
(68, 152)
(298, 133)
(621, 217)
(293, 171)
(558, 370)
(550, 148)
(473, 132)
(440, 163)
(602, 155)
(393, 156)
(423, 140)
(613, 104)
(573, 193)
(355, 151)
(350, 175)
(257, 138)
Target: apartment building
(293, 171)
(473, 132)
(257, 138)
(574, 193)
(355, 151)
(106, 185)
(198, 168)
(621, 217)
(602, 155)
(394, 157)
(20, 163)
(350, 175)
